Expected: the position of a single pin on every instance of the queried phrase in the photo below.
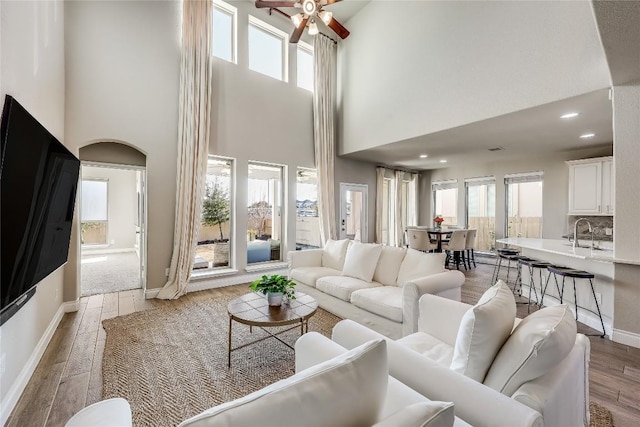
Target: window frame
(104, 221)
(308, 49)
(315, 171)
(521, 178)
(449, 184)
(480, 182)
(275, 32)
(233, 12)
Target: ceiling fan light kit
(311, 9)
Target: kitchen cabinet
(591, 186)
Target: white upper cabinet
(591, 186)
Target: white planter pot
(275, 298)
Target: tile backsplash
(600, 224)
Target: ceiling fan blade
(272, 4)
(295, 36)
(331, 1)
(338, 28)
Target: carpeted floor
(170, 362)
(106, 273)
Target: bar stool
(507, 254)
(533, 264)
(575, 274)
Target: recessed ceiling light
(587, 135)
(569, 115)
(423, 156)
(443, 161)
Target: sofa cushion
(539, 342)
(430, 347)
(306, 397)
(361, 260)
(423, 414)
(342, 286)
(483, 330)
(334, 253)
(389, 265)
(385, 301)
(419, 264)
(309, 275)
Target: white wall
(32, 71)
(122, 63)
(122, 209)
(424, 66)
(555, 187)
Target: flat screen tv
(38, 181)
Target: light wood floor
(69, 376)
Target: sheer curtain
(379, 204)
(324, 66)
(398, 217)
(194, 112)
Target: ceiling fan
(311, 9)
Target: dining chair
(456, 247)
(419, 240)
(470, 246)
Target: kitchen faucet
(576, 244)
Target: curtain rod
(286, 15)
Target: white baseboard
(100, 251)
(627, 338)
(14, 393)
(220, 282)
(151, 293)
(71, 306)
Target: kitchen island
(599, 261)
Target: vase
(438, 226)
(275, 298)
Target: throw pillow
(483, 330)
(419, 264)
(333, 254)
(539, 342)
(361, 260)
(423, 414)
(389, 265)
(353, 385)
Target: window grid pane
(307, 219)
(481, 214)
(305, 69)
(265, 52)
(446, 205)
(214, 237)
(524, 209)
(264, 211)
(223, 34)
(94, 201)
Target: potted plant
(274, 287)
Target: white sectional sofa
(469, 354)
(375, 285)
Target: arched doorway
(112, 218)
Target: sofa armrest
(110, 412)
(313, 348)
(307, 258)
(562, 394)
(414, 289)
(441, 317)
(474, 402)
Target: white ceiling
(536, 132)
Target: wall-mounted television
(38, 181)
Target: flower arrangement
(438, 220)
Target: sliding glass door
(481, 211)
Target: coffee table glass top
(253, 309)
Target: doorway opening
(112, 228)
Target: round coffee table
(253, 309)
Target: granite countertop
(563, 247)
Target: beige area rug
(170, 362)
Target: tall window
(268, 49)
(305, 66)
(481, 211)
(265, 214)
(93, 211)
(307, 219)
(224, 31)
(214, 238)
(399, 205)
(524, 205)
(445, 201)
